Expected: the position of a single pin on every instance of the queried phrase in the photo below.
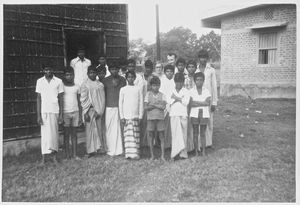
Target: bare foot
(152, 158)
(196, 153)
(203, 154)
(163, 159)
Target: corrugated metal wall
(33, 36)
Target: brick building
(258, 50)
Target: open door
(92, 40)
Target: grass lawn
(253, 160)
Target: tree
(137, 50)
(212, 43)
(185, 44)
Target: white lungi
(113, 131)
(49, 133)
(179, 136)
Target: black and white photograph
(149, 101)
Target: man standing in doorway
(211, 84)
(80, 65)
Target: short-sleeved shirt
(112, 86)
(49, 93)
(196, 97)
(70, 98)
(80, 69)
(155, 114)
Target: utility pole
(157, 33)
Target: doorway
(93, 42)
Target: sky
(185, 13)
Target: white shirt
(131, 103)
(196, 97)
(210, 82)
(179, 108)
(70, 98)
(80, 69)
(49, 93)
(166, 86)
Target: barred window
(267, 48)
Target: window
(267, 48)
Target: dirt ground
(253, 160)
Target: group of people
(122, 109)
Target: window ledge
(268, 25)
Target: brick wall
(239, 52)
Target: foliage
(185, 44)
(137, 49)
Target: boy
(146, 78)
(180, 65)
(102, 62)
(167, 85)
(112, 85)
(50, 91)
(189, 83)
(200, 102)
(72, 112)
(93, 105)
(211, 84)
(101, 72)
(131, 66)
(179, 101)
(155, 103)
(191, 67)
(131, 113)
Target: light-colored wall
(239, 54)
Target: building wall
(241, 73)
(33, 36)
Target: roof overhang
(215, 21)
(268, 25)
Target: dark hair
(191, 62)
(199, 74)
(202, 54)
(81, 48)
(169, 67)
(101, 55)
(130, 72)
(113, 64)
(154, 81)
(131, 60)
(68, 69)
(92, 68)
(179, 77)
(180, 60)
(122, 61)
(172, 54)
(149, 63)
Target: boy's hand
(86, 117)
(60, 119)
(212, 108)
(80, 121)
(123, 121)
(39, 120)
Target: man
(80, 65)
(211, 84)
(49, 91)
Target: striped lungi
(132, 138)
